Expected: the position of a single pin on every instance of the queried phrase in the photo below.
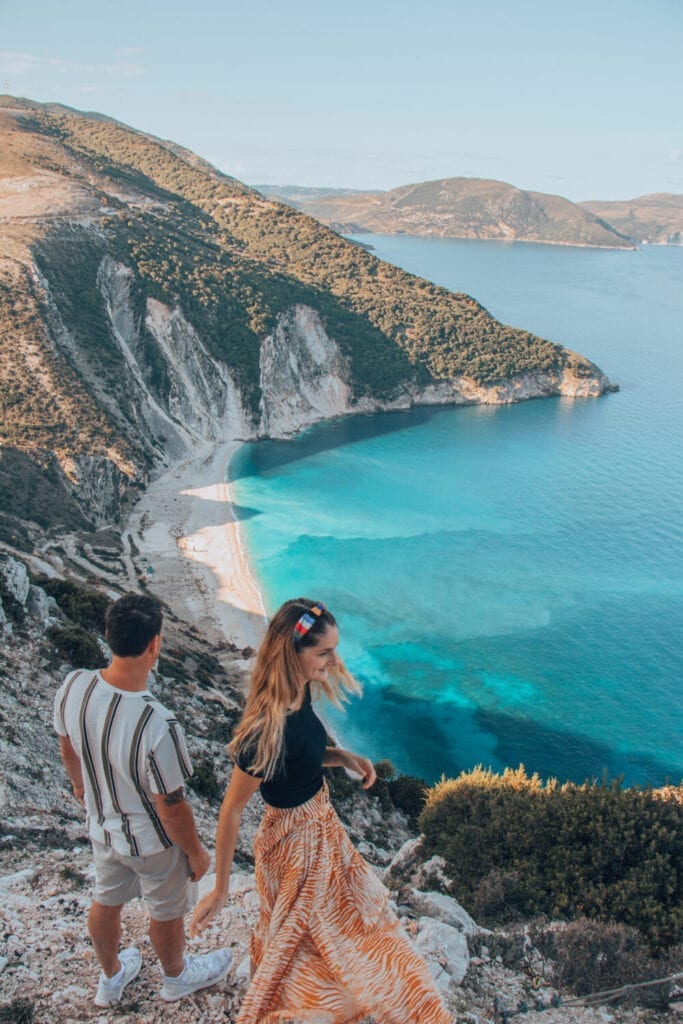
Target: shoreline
(200, 562)
(188, 538)
(635, 247)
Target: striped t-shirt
(130, 747)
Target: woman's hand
(362, 766)
(205, 911)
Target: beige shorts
(163, 879)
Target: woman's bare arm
(242, 787)
(335, 757)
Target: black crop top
(301, 775)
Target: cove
(507, 580)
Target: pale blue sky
(584, 99)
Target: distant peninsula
(487, 209)
(656, 219)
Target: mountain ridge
(656, 218)
(478, 208)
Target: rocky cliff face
(200, 401)
(305, 378)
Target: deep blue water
(508, 581)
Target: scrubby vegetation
(36, 493)
(395, 790)
(83, 605)
(587, 956)
(516, 847)
(45, 405)
(76, 646)
(238, 258)
(205, 782)
(14, 533)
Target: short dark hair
(132, 622)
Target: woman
(327, 947)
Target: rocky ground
(48, 972)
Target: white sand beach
(189, 546)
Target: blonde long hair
(278, 686)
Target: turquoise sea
(508, 581)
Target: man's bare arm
(72, 764)
(177, 818)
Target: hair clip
(307, 620)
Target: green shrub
(408, 794)
(515, 846)
(19, 1011)
(342, 788)
(76, 646)
(401, 792)
(221, 725)
(495, 897)
(205, 782)
(83, 605)
(73, 876)
(384, 771)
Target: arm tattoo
(175, 797)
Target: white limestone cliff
(306, 378)
(202, 400)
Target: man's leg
(170, 896)
(104, 926)
(168, 940)
(183, 975)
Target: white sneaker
(110, 990)
(200, 972)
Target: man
(126, 757)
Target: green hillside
(266, 256)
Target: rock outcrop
(305, 378)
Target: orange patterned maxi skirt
(328, 949)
